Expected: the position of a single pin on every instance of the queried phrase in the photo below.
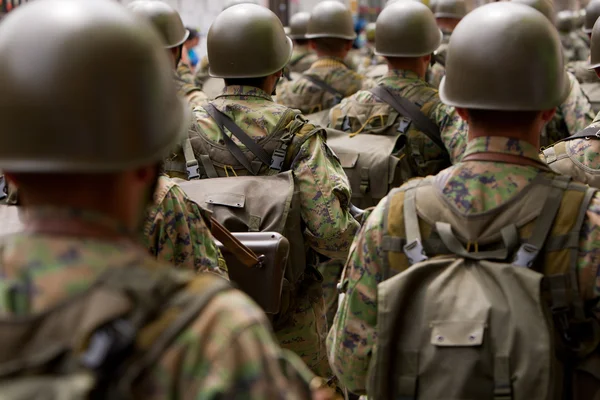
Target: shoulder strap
(408, 109)
(591, 132)
(244, 254)
(223, 121)
(324, 85)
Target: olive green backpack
(102, 343)
(498, 318)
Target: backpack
(559, 160)
(103, 342)
(391, 152)
(500, 318)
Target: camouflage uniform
(407, 84)
(309, 98)
(226, 352)
(302, 58)
(325, 198)
(176, 231)
(575, 49)
(184, 80)
(471, 188)
(201, 74)
(582, 72)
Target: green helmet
(406, 29)
(486, 71)
(165, 19)
(331, 19)
(595, 47)
(544, 6)
(370, 30)
(82, 51)
(299, 25)
(592, 13)
(566, 21)
(232, 3)
(247, 41)
(456, 9)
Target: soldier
(574, 48)
(251, 62)
(303, 56)
(328, 80)
(85, 175)
(448, 14)
(579, 156)
(168, 23)
(407, 35)
(501, 172)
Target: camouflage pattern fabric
(408, 84)
(302, 58)
(471, 188)
(202, 74)
(325, 199)
(186, 86)
(581, 72)
(227, 352)
(176, 231)
(574, 47)
(307, 97)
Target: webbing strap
(208, 166)
(502, 385)
(414, 246)
(509, 234)
(410, 110)
(324, 85)
(591, 132)
(223, 121)
(191, 164)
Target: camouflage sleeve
(576, 109)
(229, 352)
(325, 199)
(178, 235)
(351, 339)
(453, 130)
(589, 256)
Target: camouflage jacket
(176, 231)
(302, 58)
(304, 95)
(574, 47)
(406, 84)
(573, 115)
(578, 158)
(184, 80)
(582, 72)
(472, 188)
(228, 351)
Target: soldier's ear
(463, 113)
(547, 115)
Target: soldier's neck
(525, 135)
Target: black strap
(223, 121)
(408, 109)
(591, 132)
(325, 86)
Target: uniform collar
(329, 62)
(496, 144)
(401, 73)
(236, 91)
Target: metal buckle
(192, 170)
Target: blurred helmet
(165, 19)
(299, 25)
(231, 3)
(455, 9)
(484, 70)
(331, 19)
(566, 21)
(82, 51)
(247, 41)
(544, 6)
(592, 13)
(595, 47)
(406, 29)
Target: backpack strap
(326, 87)
(591, 132)
(414, 247)
(408, 109)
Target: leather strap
(245, 255)
(408, 109)
(507, 159)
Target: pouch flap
(348, 160)
(226, 199)
(457, 333)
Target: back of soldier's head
(331, 26)
(451, 9)
(406, 29)
(505, 57)
(299, 27)
(247, 41)
(165, 19)
(566, 21)
(93, 93)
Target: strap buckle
(192, 169)
(526, 255)
(278, 158)
(415, 252)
